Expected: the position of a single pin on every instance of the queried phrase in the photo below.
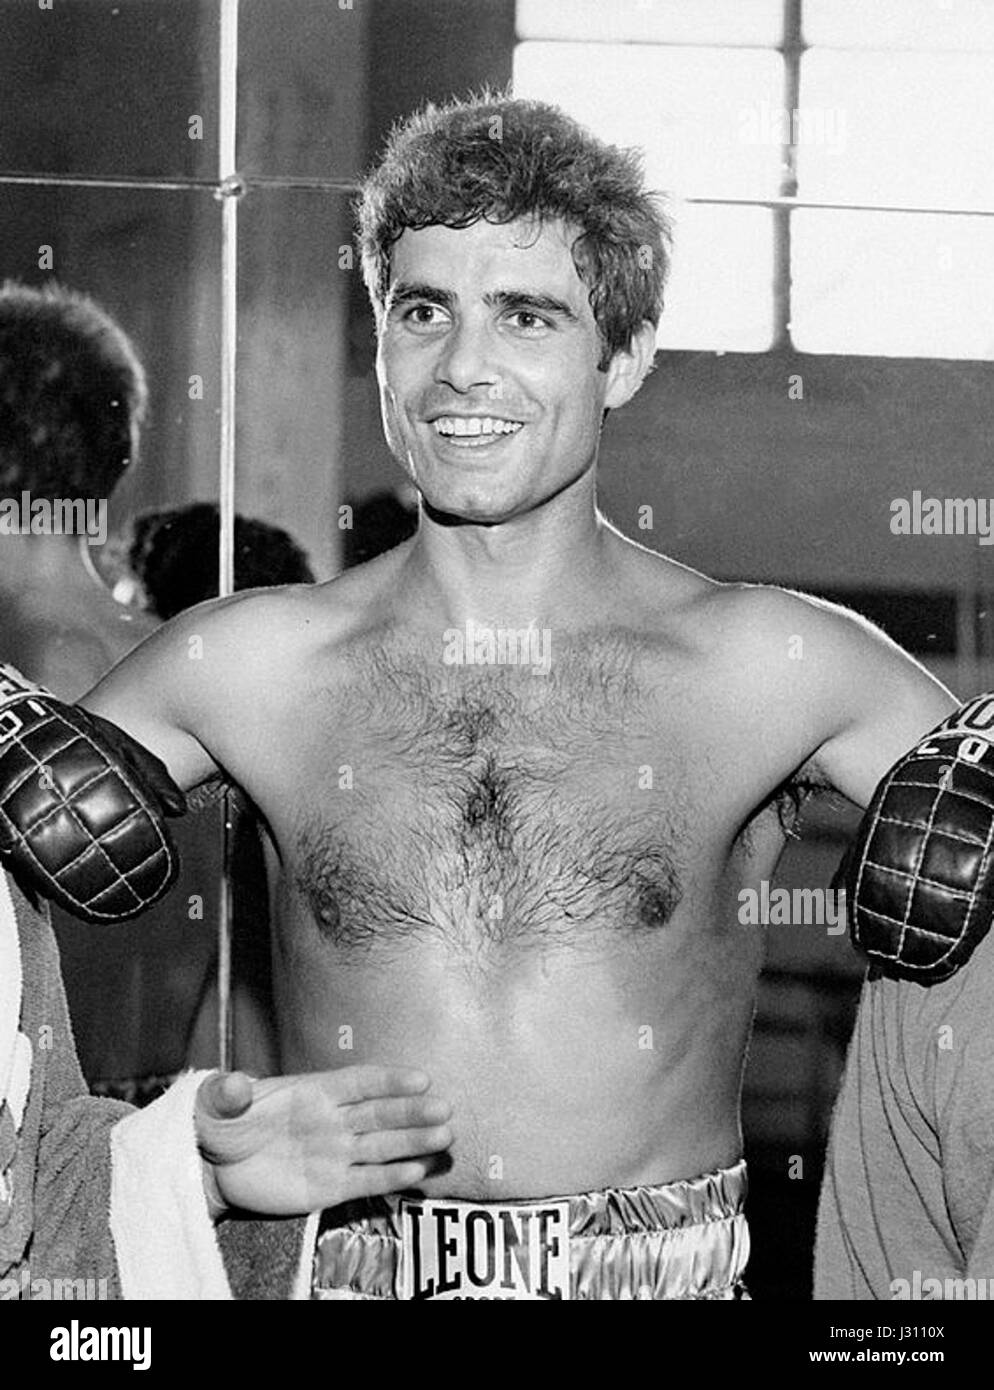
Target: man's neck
(540, 567)
(36, 563)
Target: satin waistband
(686, 1239)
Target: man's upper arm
(160, 691)
(887, 702)
(855, 700)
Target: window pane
(293, 364)
(903, 127)
(720, 295)
(697, 112)
(301, 88)
(137, 75)
(892, 285)
(652, 21)
(151, 260)
(965, 24)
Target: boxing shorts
(681, 1240)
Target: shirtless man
(525, 875)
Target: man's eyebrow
(532, 299)
(404, 292)
(407, 292)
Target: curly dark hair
(72, 394)
(496, 158)
(174, 553)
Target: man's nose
(467, 358)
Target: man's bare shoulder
(767, 639)
(791, 658)
(281, 622)
(740, 618)
(816, 638)
(754, 623)
(222, 665)
(765, 615)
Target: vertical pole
(229, 189)
(793, 47)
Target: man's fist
(920, 874)
(82, 807)
(288, 1145)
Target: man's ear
(630, 366)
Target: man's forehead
(526, 252)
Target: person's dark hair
(72, 394)
(379, 522)
(174, 554)
(499, 159)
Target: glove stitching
(964, 894)
(982, 874)
(939, 833)
(974, 793)
(963, 793)
(65, 802)
(142, 809)
(65, 805)
(55, 876)
(878, 801)
(920, 858)
(915, 877)
(16, 741)
(920, 931)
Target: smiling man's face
(487, 363)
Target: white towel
(15, 1048)
(164, 1238)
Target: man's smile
(474, 431)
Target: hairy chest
(495, 807)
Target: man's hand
(287, 1145)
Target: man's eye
(424, 315)
(528, 320)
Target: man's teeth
(464, 427)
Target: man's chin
(463, 513)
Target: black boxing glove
(82, 807)
(920, 873)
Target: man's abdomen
(568, 1070)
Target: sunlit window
(703, 107)
(893, 109)
(933, 25)
(893, 285)
(653, 21)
